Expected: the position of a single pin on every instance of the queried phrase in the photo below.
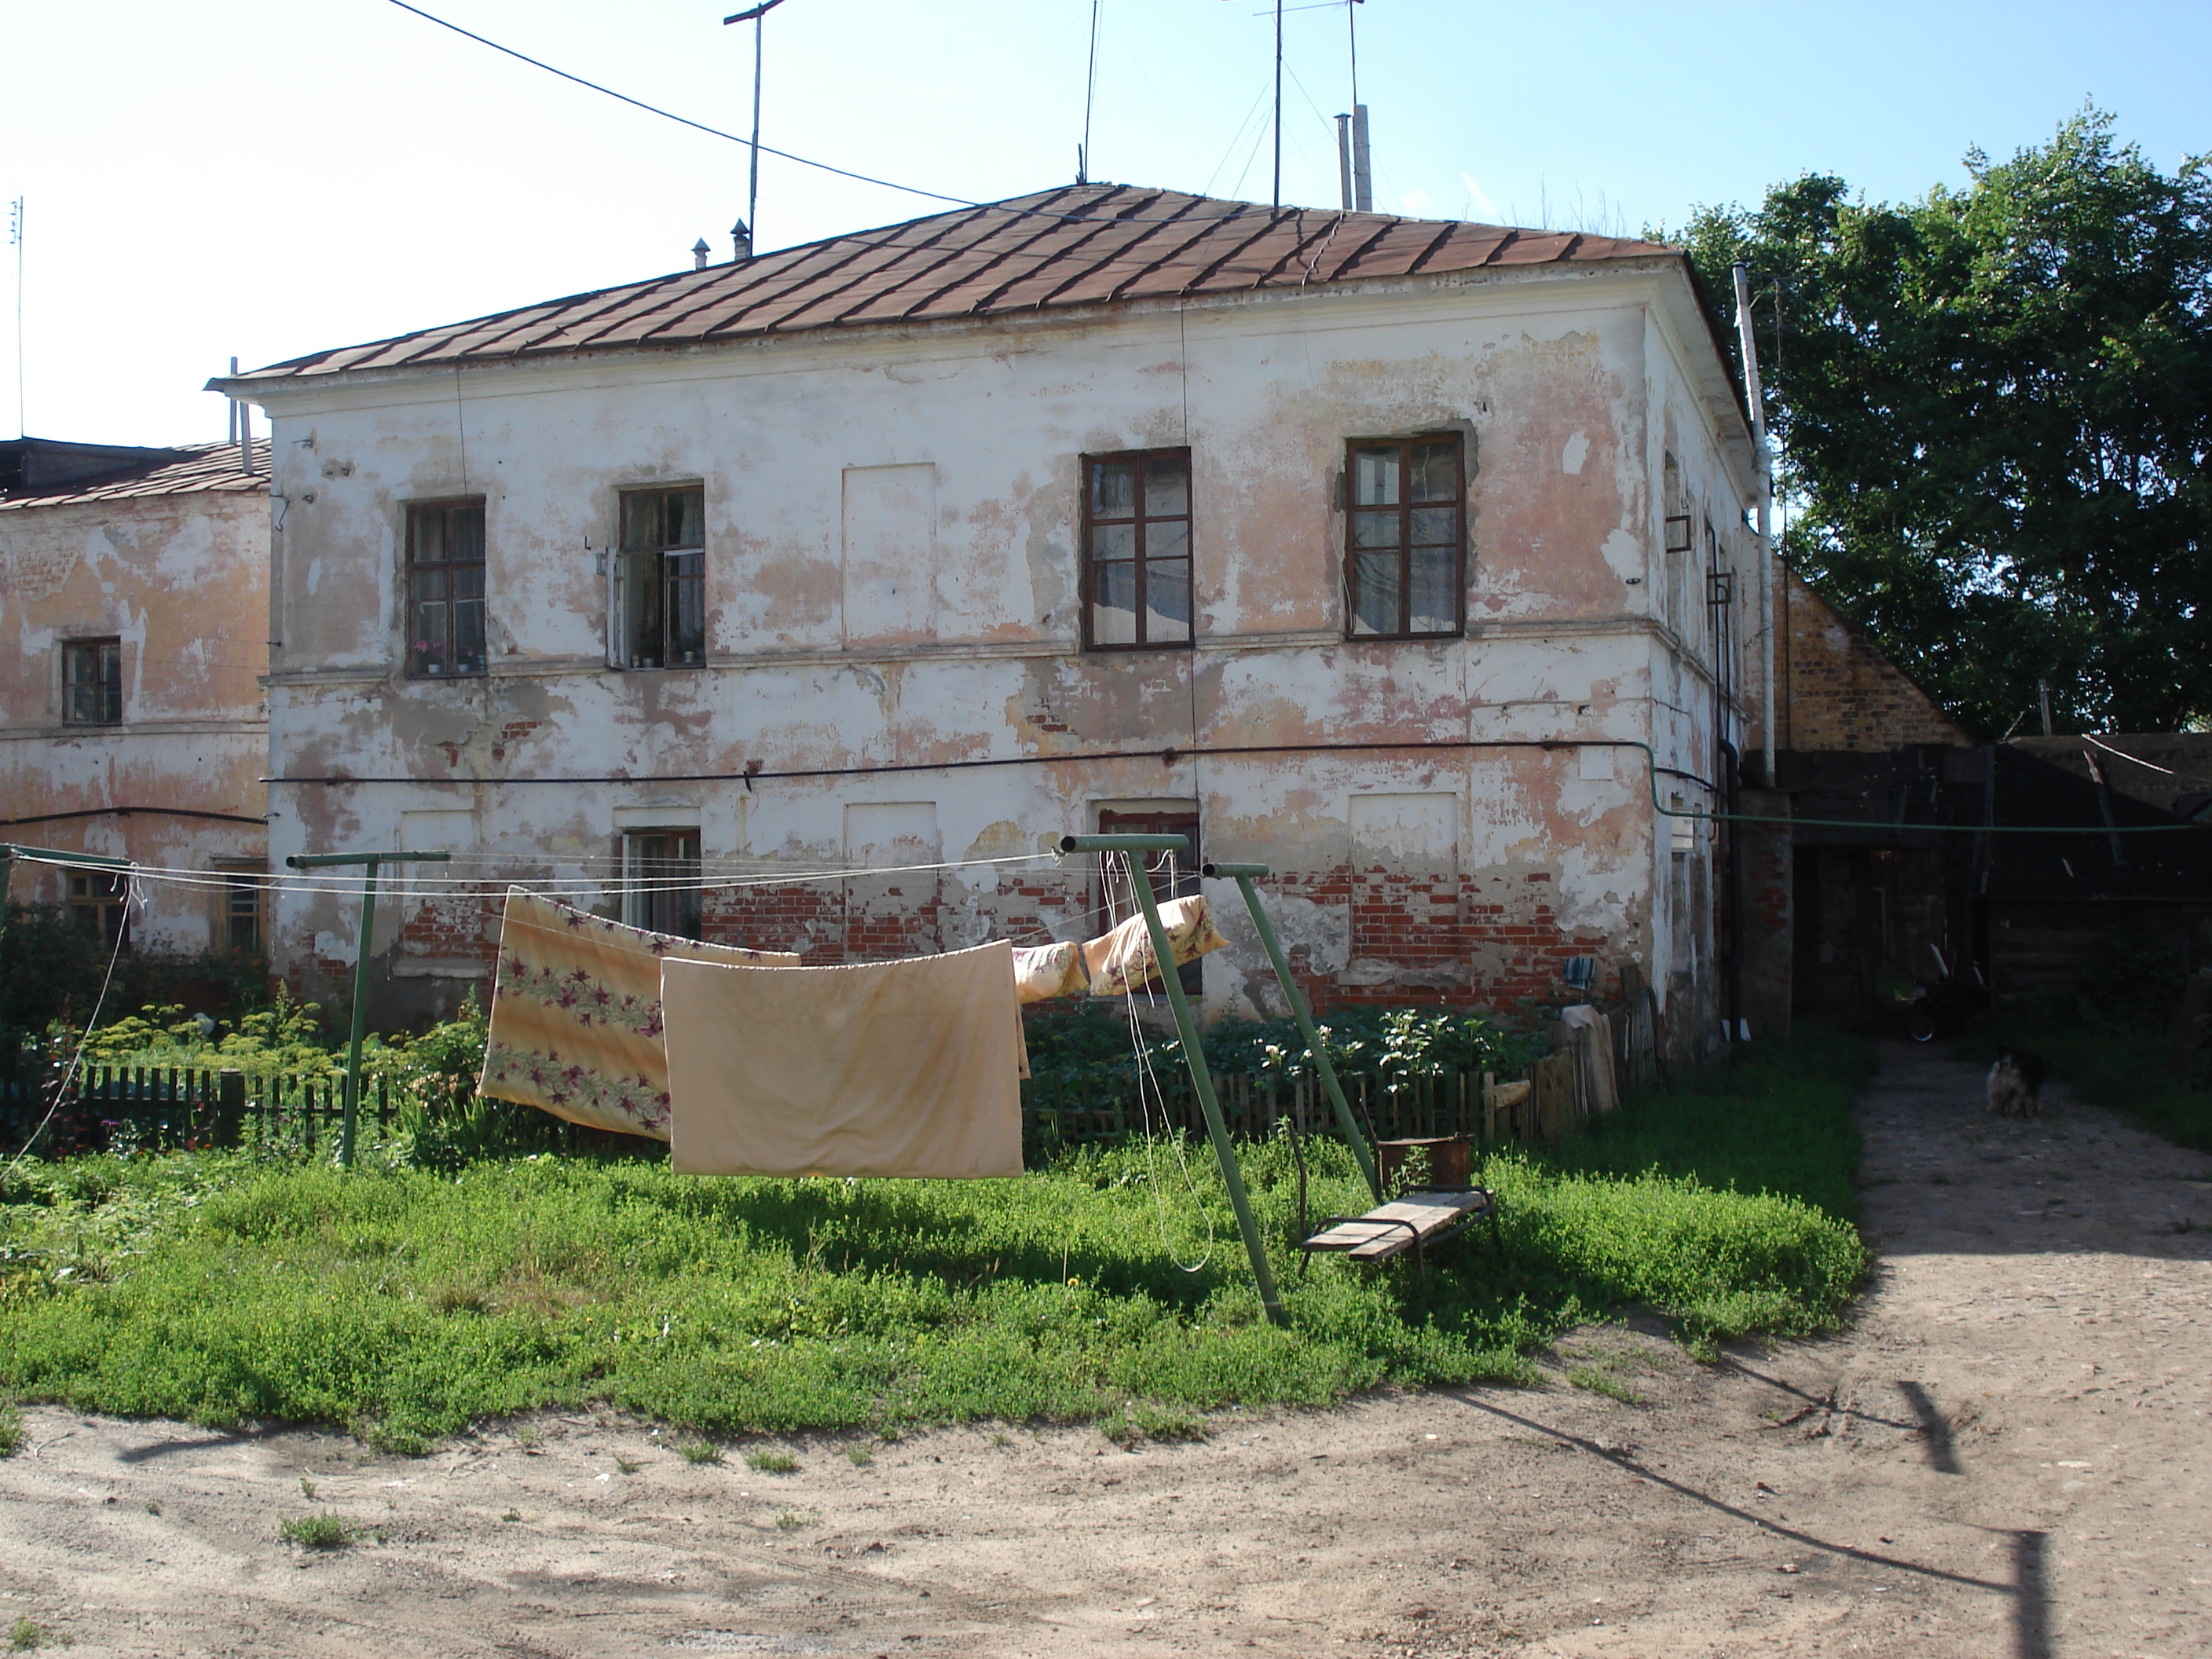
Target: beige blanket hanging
(889, 1068)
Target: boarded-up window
(1136, 567)
(1405, 536)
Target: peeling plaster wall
(816, 454)
(182, 582)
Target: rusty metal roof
(187, 470)
(1083, 244)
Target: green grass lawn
(406, 1302)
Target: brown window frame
(104, 688)
(670, 909)
(1142, 560)
(1183, 882)
(418, 573)
(663, 582)
(1404, 547)
(241, 903)
(99, 903)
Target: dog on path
(2016, 1083)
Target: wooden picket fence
(165, 1108)
(1448, 1104)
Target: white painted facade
(893, 524)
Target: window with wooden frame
(444, 589)
(1136, 539)
(1174, 875)
(661, 881)
(242, 907)
(661, 588)
(1405, 536)
(92, 682)
(99, 903)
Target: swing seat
(1416, 1222)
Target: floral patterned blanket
(575, 1014)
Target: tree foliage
(1994, 408)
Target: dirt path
(2006, 1455)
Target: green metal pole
(1200, 1080)
(359, 1014)
(1243, 874)
(369, 861)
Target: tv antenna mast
(753, 14)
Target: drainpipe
(1752, 394)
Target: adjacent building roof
(191, 469)
(1083, 244)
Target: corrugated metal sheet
(1083, 245)
(204, 467)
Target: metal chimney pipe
(244, 428)
(1344, 160)
(1363, 182)
(233, 402)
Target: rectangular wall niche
(890, 555)
(1409, 833)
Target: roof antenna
(1279, 107)
(1090, 96)
(753, 14)
(1358, 176)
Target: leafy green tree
(1994, 412)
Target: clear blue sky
(269, 178)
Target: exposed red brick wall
(1838, 692)
(1458, 941)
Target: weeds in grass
(627, 1465)
(699, 1451)
(860, 1457)
(793, 1520)
(1001, 1439)
(1136, 1420)
(771, 1462)
(11, 1430)
(316, 1532)
(25, 1637)
(511, 1515)
(1600, 1381)
(307, 1488)
(217, 1287)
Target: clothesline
(325, 882)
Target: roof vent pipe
(1362, 184)
(245, 429)
(1344, 161)
(699, 252)
(743, 239)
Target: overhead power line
(685, 120)
(770, 149)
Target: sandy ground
(2005, 1455)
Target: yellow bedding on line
(576, 1017)
(884, 1068)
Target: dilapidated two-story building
(1407, 558)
